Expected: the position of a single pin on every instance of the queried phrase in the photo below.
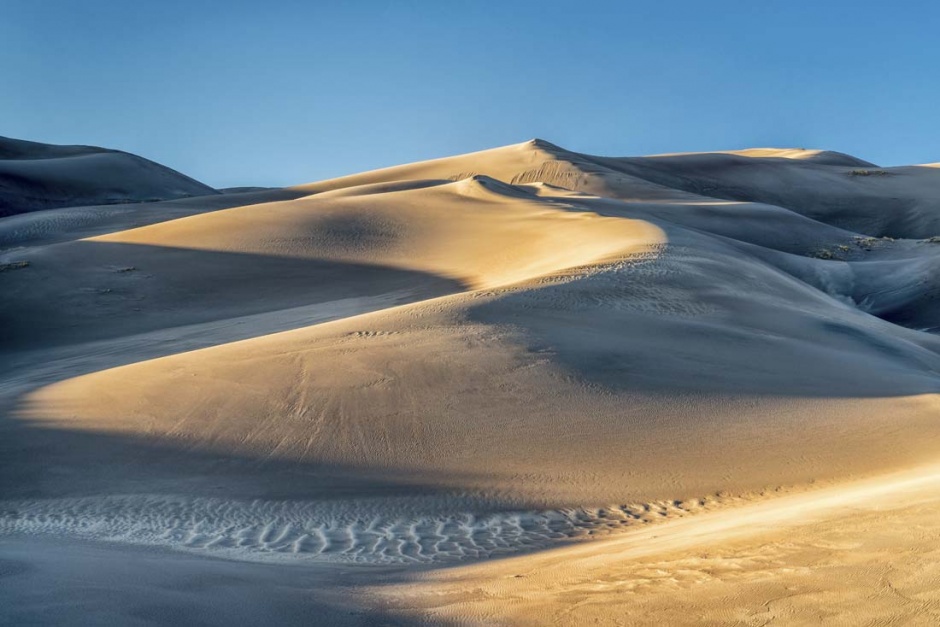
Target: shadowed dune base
(56, 582)
(526, 354)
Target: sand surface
(682, 385)
(36, 176)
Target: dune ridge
(35, 176)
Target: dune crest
(36, 176)
(821, 157)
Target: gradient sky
(286, 92)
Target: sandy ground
(681, 386)
(862, 553)
(855, 554)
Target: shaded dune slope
(36, 176)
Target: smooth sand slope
(37, 176)
(478, 356)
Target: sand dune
(502, 352)
(837, 190)
(42, 176)
(821, 157)
(490, 233)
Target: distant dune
(489, 354)
(36, 176)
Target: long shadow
(42, 575)
(50, 580)
(792, 343)
(69, 583)
(38, 574)
(53, 462)
(84, 292)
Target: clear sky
(285, 92)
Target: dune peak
(821, 157)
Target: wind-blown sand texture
(695, 387)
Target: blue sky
(286, 92)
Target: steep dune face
(535, 161)
(36, 176)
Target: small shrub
(13, 265)
(868, 173)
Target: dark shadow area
(873, 205)
(60, 579)
(86, 291)
(50, 580)
(71, 583)
(704, 319)
(51, 462)
(895, 281)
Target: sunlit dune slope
(478, 230)
(859, 553)
(535, 161)
(51, 226)
(414, 244)
(820, 157)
